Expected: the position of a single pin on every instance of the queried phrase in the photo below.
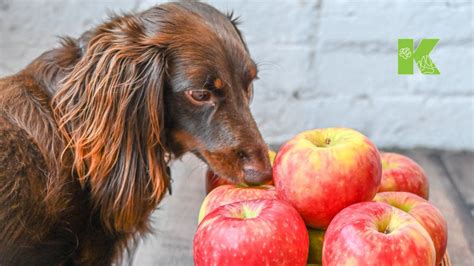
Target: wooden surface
(444, 195)
(451, 178)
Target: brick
(349, 72)
(275, 22)
(380, 23)
(403, 122)
(284, 71)
(42, 21)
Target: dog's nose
(257, 167)
(253, 177)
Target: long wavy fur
(110, 110)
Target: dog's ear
(110, 108)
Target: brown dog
(87, 130)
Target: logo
(406, 56)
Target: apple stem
(327, 141)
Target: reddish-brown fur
(87, 130)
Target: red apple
(424, 212)
(374, 233)
(254, 232)
(226, 194)
(316, 239)
(213, 180)
(400, 173)
(322, 171)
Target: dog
(87, 131)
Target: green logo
(421, 56)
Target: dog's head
(210, 75)
(175, 78)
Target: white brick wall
(323, 63)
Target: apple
(322, 171)
(213, 180)
(316, 239)
(424, 212)
(400, 173)
(253, 232)
(226, 194)
(375, 233)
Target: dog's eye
(199, 95)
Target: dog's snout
(257, 167)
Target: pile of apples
(335, 200)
